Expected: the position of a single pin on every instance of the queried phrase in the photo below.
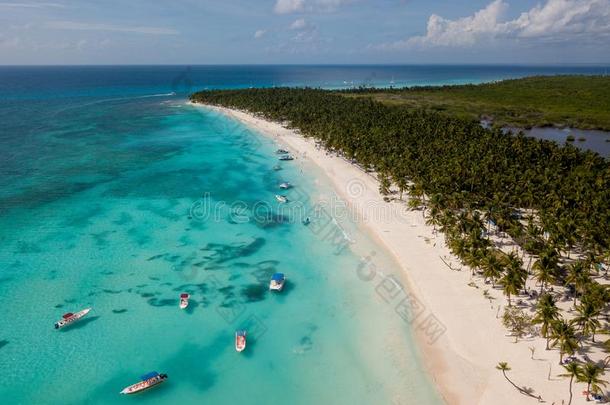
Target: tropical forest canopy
(574, 101)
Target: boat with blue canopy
(277, 282)
(148, 380)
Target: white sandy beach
(462, 360)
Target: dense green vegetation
(575, 101)
(553, 201)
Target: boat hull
(240, 343)
(142, 386)
(276, 286)
(73, 319)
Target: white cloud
(298, 24)
(78, 26)
(330, 5)
(564, 17)
(80, 45)
(31, 5)
(289, 6)
(559, 20)
(6, 42)
(259, 34)
(305, 32)
(301, 6)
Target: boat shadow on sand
(80, 324)
(250, 348)
(191, 308)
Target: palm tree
(545, 268)
(591, 374)
(563, 335)
(546, 314)
(504, 367)
(511, 283)
(492, 267)
(578, 276)
(515, 264)
(587, 319)
(573, 370)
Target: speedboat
(277, 282)
(70, 318)
(240, 340)
(285, 186)
(184, 300)
(147, 381)
(282, 152)
(281, 198)
(286, 157)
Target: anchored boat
(184, 300)
(281, 198)
(286, 157)
(147, 381)
(277, 282)
(240, 340)
(281, 152)
(285, 186)
(70, 318)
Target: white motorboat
(70, 318)
(240, 340)
(184, 300)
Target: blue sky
(304, 31)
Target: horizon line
(581, 64)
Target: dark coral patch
(155, 257)
(155, 302)
(254, 292)
(221, 253)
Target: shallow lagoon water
(123, 206)
(596, 141)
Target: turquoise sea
(117, 195)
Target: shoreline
(461, 361)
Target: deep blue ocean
(116, 194)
